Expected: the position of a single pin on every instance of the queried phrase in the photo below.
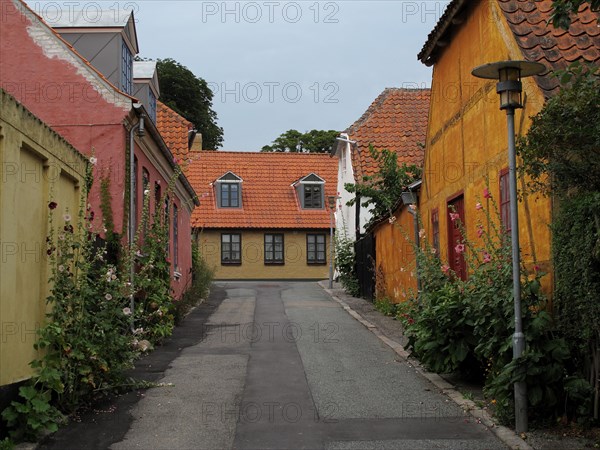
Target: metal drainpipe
(418, 244)
(139, 127)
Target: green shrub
(385, 307)
(344, 262)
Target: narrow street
(281, 365)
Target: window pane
(279, 238)
(279, 255)
(226, 238)
(235, 238)
(268, 238)
(235, 256)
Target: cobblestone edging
(505, 434)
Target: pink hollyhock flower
(454, 216)
(536, 268)
(486, 257)
(479, 232)
(486, 193)
(478, 206)
(445, 268)
(460, 248)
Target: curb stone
(505, 434)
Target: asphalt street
(277, 365)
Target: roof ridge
(375, 105)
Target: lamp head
(509, 74)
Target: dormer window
(229, 191)
(126, 68)
(310, 191)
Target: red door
(456, 257)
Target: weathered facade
(89, 104)
(38, 166)
(466, 149)
(264, 215)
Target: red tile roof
(397, 121)
(555, 48)
(174, 129)
(268, 198)
(537, 38)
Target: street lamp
(509, 74)
(332, 200)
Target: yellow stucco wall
(395, 271)
(37, 165)
(253, 265)
(467, 133)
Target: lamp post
(509, 75)
(332, 201)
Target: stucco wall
(253, 266)
(395, 270)
(37, 166)
(467, 133)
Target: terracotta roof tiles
(397, 121)
(555, 48)
(530, 23)
(268, 197)
(174, 129)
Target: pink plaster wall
(52, 88)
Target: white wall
(345, 216)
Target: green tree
(563, 9)
(191, 97)
(313, 141)
(561, 152)
(383, 189)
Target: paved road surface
(280, 365)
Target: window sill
(232, 263)
(316, 263)
(275, 263)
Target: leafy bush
(344, 262)
(385, 307)
(467, 326)
(380, 192)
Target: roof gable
(230, 177)
(530, 23)
(311, 178)
(93, 19)
(397, 121)
(269, 199)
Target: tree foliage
(383, 189)
(561, 154)
(191, 97)
(563, 10)
(561, 151)
(313, 141)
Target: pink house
(79, 77)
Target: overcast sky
(280, 65)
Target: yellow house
(264, 215)
(466, 147)
(37, 166)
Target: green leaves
(191, 97)
(383, 190)
(313, 141)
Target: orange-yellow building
(466, 147)
(264, 215)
